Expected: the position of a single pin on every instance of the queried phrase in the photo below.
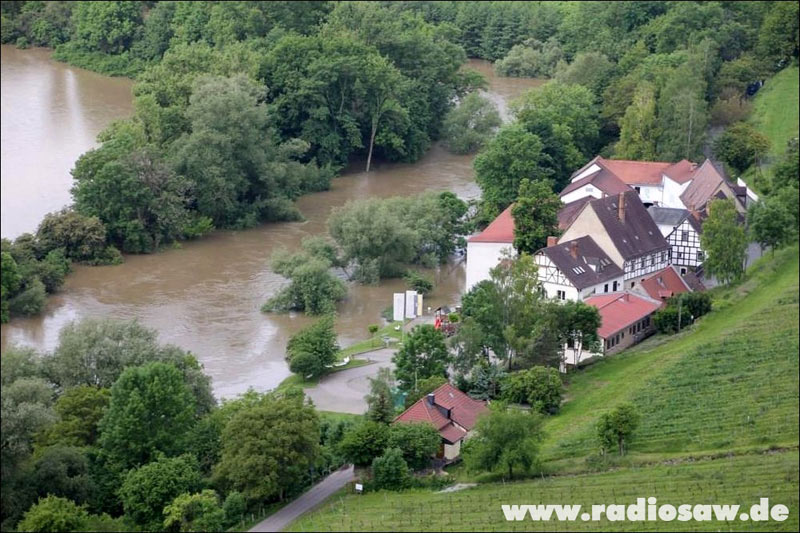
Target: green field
(736, 480)
(719, 407)
(775, 109)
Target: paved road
(315, 496)
(344, 391)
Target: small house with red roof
(663, 285)
(451, 412)
(625, 319)
(485, 249)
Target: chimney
(431, 397)
(552, 241)
(621, 207)
(573, 249)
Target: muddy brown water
(204, 296)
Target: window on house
(684, 236)
(561, 295)
(633, 283)
(616, 339)
(683, 271)
(570, 343)
(605, 288)
(699, 255)
(615, 286)
(638, 190)
(680, 255)
(646, 321)
(652, 260)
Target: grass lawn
(775, 109)
(719, 407)
(735, 480)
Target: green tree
(591, 69)
(540, 387)
(313, 349)
(470, 125)
(419, 282)
(82, 238)
(107, 27)
(531, 59)
(638, 134)
(390, 470)
(25, 409)
(267, 448)
(724, 241)
(771, 223)
(62, 471)
(80, 410)
(418, 442)
(505, 439)
(380, 401)
(19, 362)
(576, 324)
(54, 514)
(313, 288)
(786, 171)
(778, 36)
(195, 512)
(364, 442)
(535, 215)
(424, 387)
(148, 489)
(382, 81)
(513, 154)
(615, 428)
(151, 412)
(741, 146)
(424, 354)
(234, 507)
(11, 280)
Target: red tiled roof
(636, 172)
(620, 310)
(500, 230)
(664, 283)
(447, 400)
(681, 172)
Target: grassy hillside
(775, 110)
(719, 407)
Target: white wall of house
(583, 192)
(649, 194)
(685, 245)
(451, 451)
(572, 358)
(594, 167)
(481, 258)
(672, 193)
(553, 281)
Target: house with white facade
(576, 269)
(682, 230)
(485, 249)
(622, 228)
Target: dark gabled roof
(664, 284)
(637, 234)
(568, 213)
(667, 216)
(603, 179)
(705, 182)
(693, 281)
(590, 266)
(452, 413)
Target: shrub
(419, 282)
(390, 470)
(467, 127)
(80, 237)
(312, 350)
(31, 301)
(364, 442)
(538, 386)
(234, 507)
(615, 429)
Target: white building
(485, 249)
(577, 269)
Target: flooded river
(205, 296)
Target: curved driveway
(344, 391)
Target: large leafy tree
(615, 428)
(80, 410)
(771, 222)
(313, 349)
(268, 447)
(364, 442)
(505, 439)
(147, 490)
(54, 513)
(469, 126)
(108, 27)
(151, 412)
(380, 401)
(424, 354)
(724, 241)
(313, 288)
(638, 128)
(741, 146)
(513, 155)
(195, 512)
(418, 442)
(535, 215)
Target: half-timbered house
(682, 230)
(576, 269)
(622, 228)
